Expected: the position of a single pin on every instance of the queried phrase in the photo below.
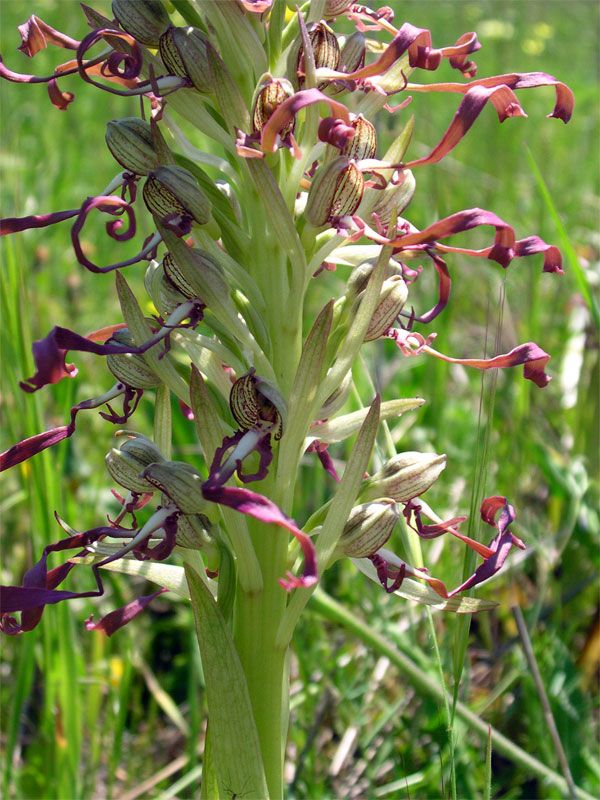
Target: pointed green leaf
(339, 511)
(140, 332)
(231, 102)
(235, 743)
(396, 151)
(310, 369)
(340, 428)
(352, 479)
(278, 216)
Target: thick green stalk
(257, 617)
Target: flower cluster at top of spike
(289, 102)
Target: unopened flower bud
(359, 277)
(173, 190)
(269, 96)
(254, 400)
(391, 301)
(130, 142)
(193, 532)
(352, 55)
(336, 191)
(326, 52)
(183, 52)
(180, 482)
(168, 295)
(369, 527)
(394, 198)
(403, 477)
(364, 142)
(199, 268)
(145, 20)
(126, 463)
(130, 368)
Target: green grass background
(84, 716)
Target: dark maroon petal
(384, 573)
(50, 361)
(263, 509)
(49, 355)
(503, 98)
(121, 616)
(335, 131)
(565, 100)
(533, 358)
(532, 245)
(500, 544)
(36, 35)
(110, 204)
(490, 507)
(326, 461)
(286, 111)
(34, 444)
(444, 287)
(417, 43)
(58, 98)
(112, 68)
(24, 598)
(504, 241)
(16, 224)
(38, 591)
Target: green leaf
(348, 489)
(231, 102)
(280, 220)
(339, 510)
(140, 332)
(310, 371)
(235, 743)
(340, 428)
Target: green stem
(257, 617)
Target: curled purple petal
(36, 35)
(472, 104)
(500, 544)
(16, 224)
(121, 616)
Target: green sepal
(235, 743)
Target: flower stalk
(287, 106)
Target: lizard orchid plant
(288, 107)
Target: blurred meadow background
(84, 716)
